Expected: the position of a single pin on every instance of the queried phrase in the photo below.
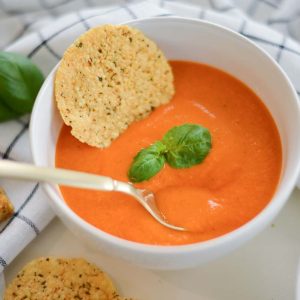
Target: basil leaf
(6, 113)
(20, 81)
(147, 162)
(187, 145)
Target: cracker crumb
(6, 207)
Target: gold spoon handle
(16, 170)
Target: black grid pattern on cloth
(265, 41)
(14, 141)
(130, 11)
(28, 222)
(3, 262)
(17, 213)
(44, 43)
(126, 6)
(81, 20)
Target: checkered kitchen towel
(42, 29)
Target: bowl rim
(263, 218)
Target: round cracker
(61, 278)
(108, 78)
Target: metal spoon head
(148, 201)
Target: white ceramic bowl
(204, 42)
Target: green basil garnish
(147, 162)
(187, 145)
(182, 147)
(20, 81)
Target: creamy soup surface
(231, 186)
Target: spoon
(14, 170)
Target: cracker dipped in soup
(197, 137)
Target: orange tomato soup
(231, 186)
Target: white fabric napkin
(42, 30)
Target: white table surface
(264, 269)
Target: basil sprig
(20, 81)
(182, 147)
